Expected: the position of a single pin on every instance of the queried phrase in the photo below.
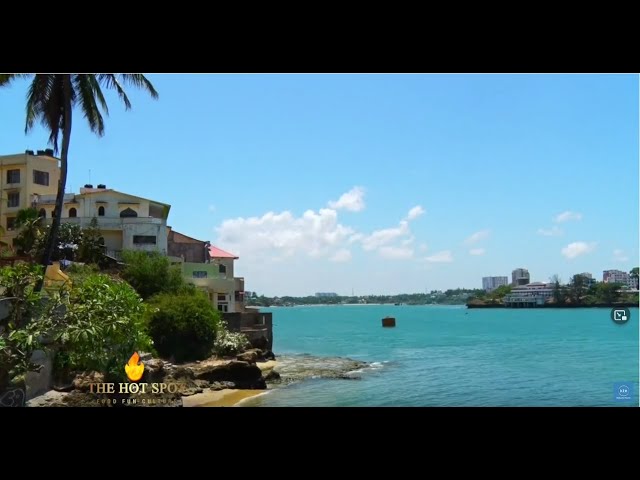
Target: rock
(154, 371)
(83, 380)
(201, 383)
(242, 374)
(182, 372)
(272, 376)
(268, 355)
(215, 386)
(63, 387)
(145, 357)
(191, 391)
(82, 399)
(248, 356)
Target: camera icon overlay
(620, 315)
(623, 392)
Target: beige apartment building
(24, 177)
(127, 222)
(216, 278)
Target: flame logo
(133, 370)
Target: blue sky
(534, 171)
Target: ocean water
(453, 356)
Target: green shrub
(101, 326)
(230, 343)
(151, 273)
(183, 326)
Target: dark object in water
(388, 322)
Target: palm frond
(111, 81)
(140, 81)
(85, 85)
(7, 78)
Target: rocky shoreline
(211, 382)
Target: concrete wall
(40, 382)
(255, 325)
(190, 249)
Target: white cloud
(212, 208)
(423, 247)
(356, 237)
(279, 235)
(408, 241)
(396, 253)
(567, 216)
(380, 238)
(476, 251)
(619, 256)
(341, 256)
(415, 212)
(352, 201)
(440, 257)
(476, 237)
(550, 232)
(576, 249)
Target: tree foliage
(91, 247)
(151, 273)
(102, 326)
(183, 326)
(51, 99)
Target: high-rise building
(618, 276)
(520, 276)
(491, 283)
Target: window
(128, 213)
(144, 239)
(13, 199)
(223, 308)
(73, 213)
(41, 178)
(11, 223)
(200, 274)
(42, 213)
(222, 269)
(101, 211)
(13, 176)
(222, 297)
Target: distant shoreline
(597, 305)
(370, 305)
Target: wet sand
(221, 398)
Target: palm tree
(51, 99)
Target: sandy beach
(227, 397)
(221, 398)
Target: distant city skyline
(383, 184)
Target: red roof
(216, 252)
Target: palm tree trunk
(62, 183)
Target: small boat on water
(388, 322)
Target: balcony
(239, 284)
(109, 223)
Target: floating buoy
(388, 322)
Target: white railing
(109, 222)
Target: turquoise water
(452, 356)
